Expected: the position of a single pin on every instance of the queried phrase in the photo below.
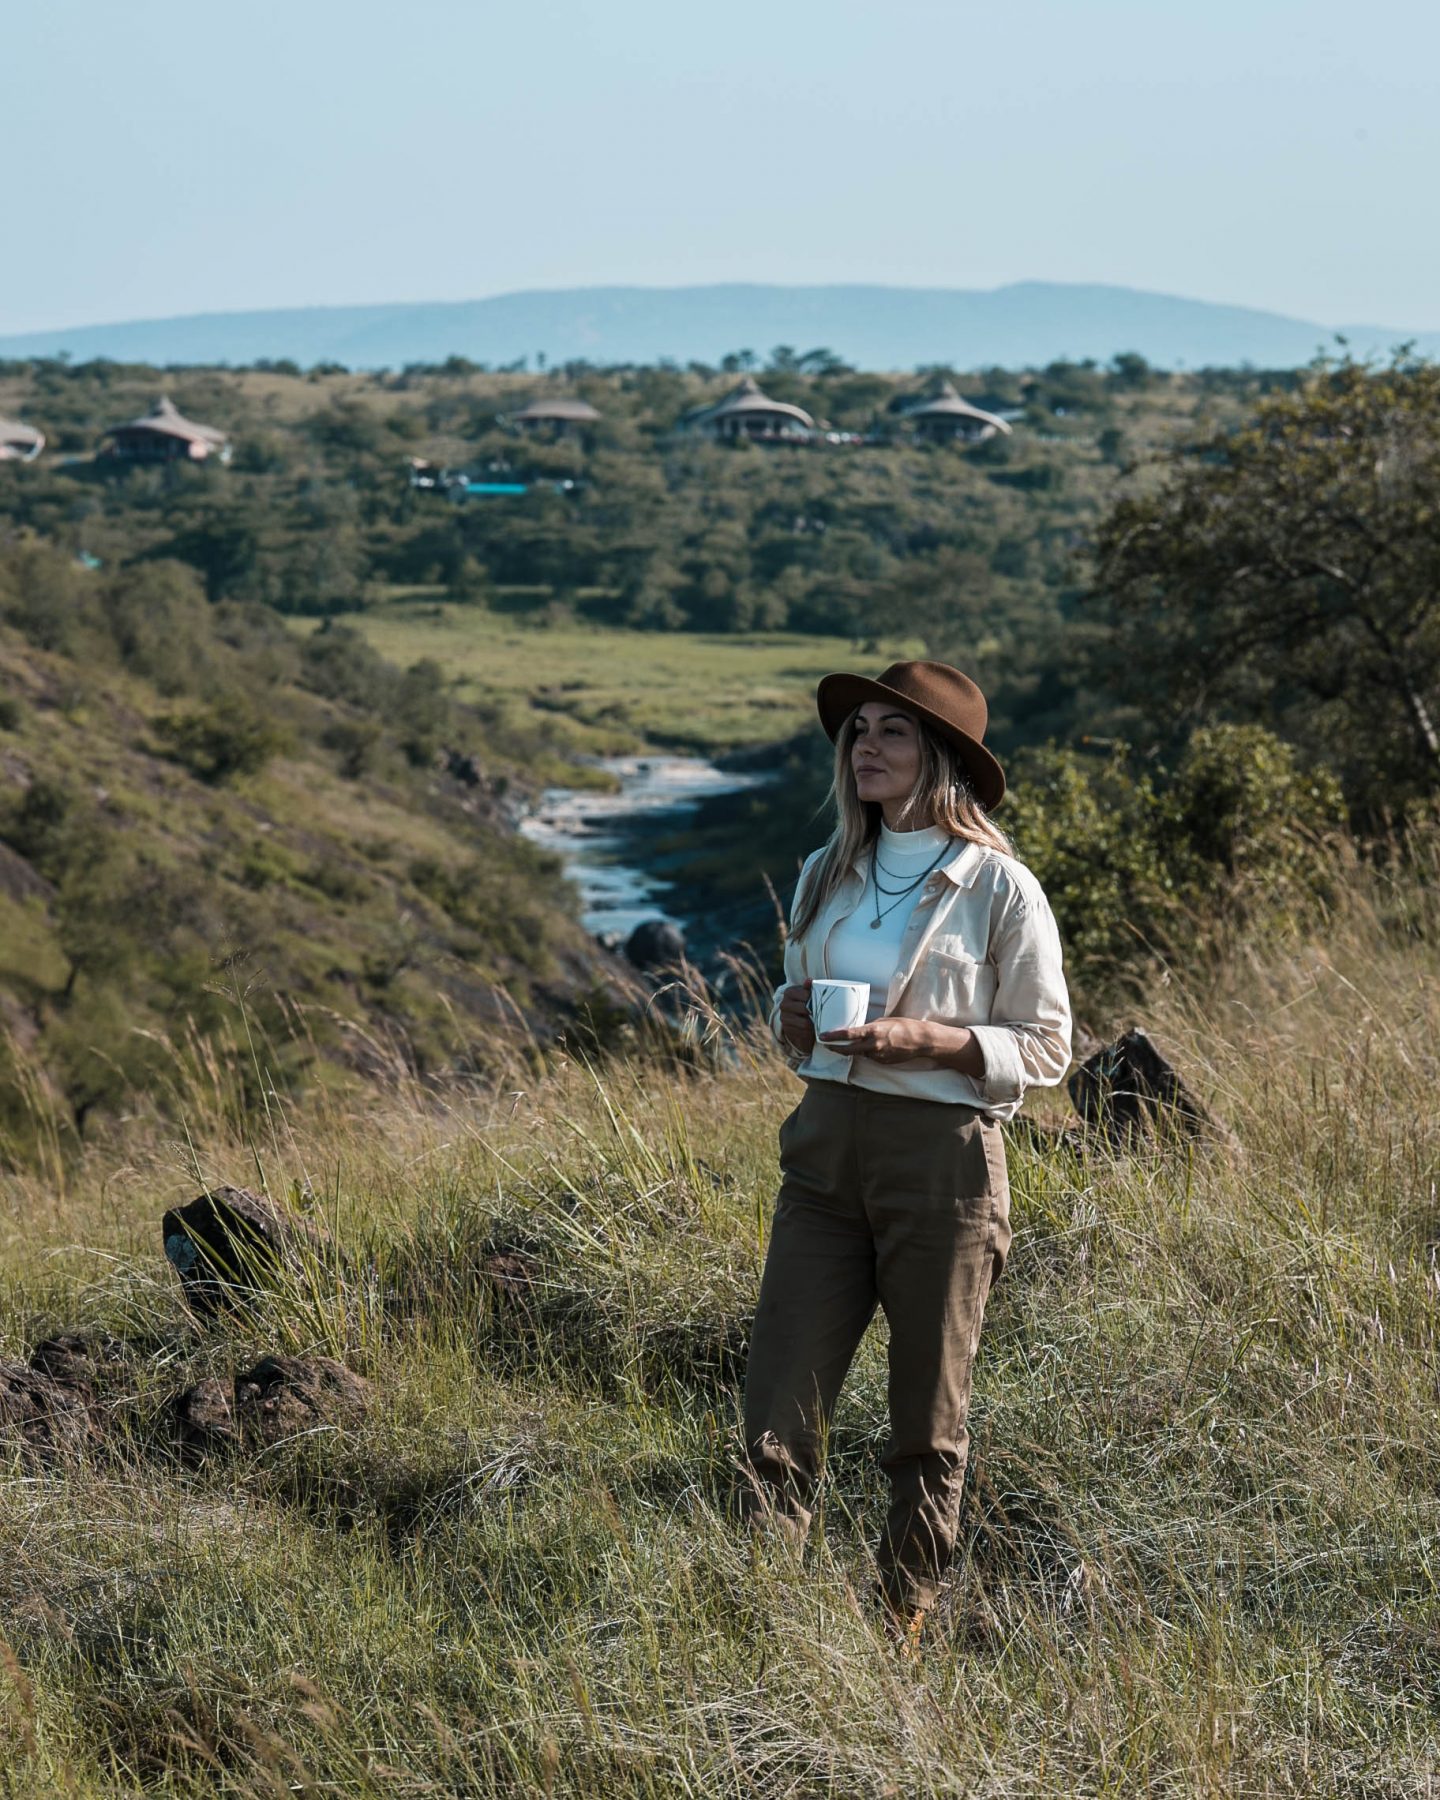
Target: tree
(947, 600)
(1290, 573)
(823, 361)
(1130, 369)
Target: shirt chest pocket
(958, 989)
(961, 944)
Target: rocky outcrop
(282, 1397)
(43, 1418)
(230, 1243)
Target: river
(602, 835)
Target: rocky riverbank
(620, 846)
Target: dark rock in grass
(44, 1418)
(79, 1360)
(228, 1243)
(465, 767)
(655, 944)
(1127, 1093)
(204, 1417)
(284, 1395)
(281, 1397)
(97, 1369)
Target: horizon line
(316, 306)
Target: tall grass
(1199, 1546)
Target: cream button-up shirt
(981, 950)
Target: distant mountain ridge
(1028, 323)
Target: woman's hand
(796, 1026)
(898, 1040)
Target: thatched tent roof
(19, 442)
(945, 403)
(165, 418)
(558, 412)
(748, 398)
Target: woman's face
(885, 755)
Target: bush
(338, 663)
(421, 711)
(1249, 831)
(357, 742)
(1238, 836)
(53, 826)
(161, 624)
(469, 584)
(1090, 833)
(220, 741)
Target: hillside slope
(211, 832)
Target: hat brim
(838, 695)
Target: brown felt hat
(949, 702)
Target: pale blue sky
(171, 156)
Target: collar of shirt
(961, 870)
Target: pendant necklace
(904, 892)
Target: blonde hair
(941, 796)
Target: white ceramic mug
(836, 1004)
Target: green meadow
(609, 690)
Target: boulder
(281, 1397)
(655, 944)
(228, 1243)
(1127, 1093)
(80, 1360)
(44, 1418)
(204, 1418)
(95, 1368)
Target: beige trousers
(902, 1203)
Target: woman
(894, 1188)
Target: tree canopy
(1289, 572)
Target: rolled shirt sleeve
(1027, 1041)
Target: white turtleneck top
(859, 950)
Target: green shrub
(1090, 832)
(336, 880)
(357, 742)
(1250, 832)
(160, 621)
(421, 711)
(469, 583)
(1239, 835)
(52, 825)
(224, 740)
